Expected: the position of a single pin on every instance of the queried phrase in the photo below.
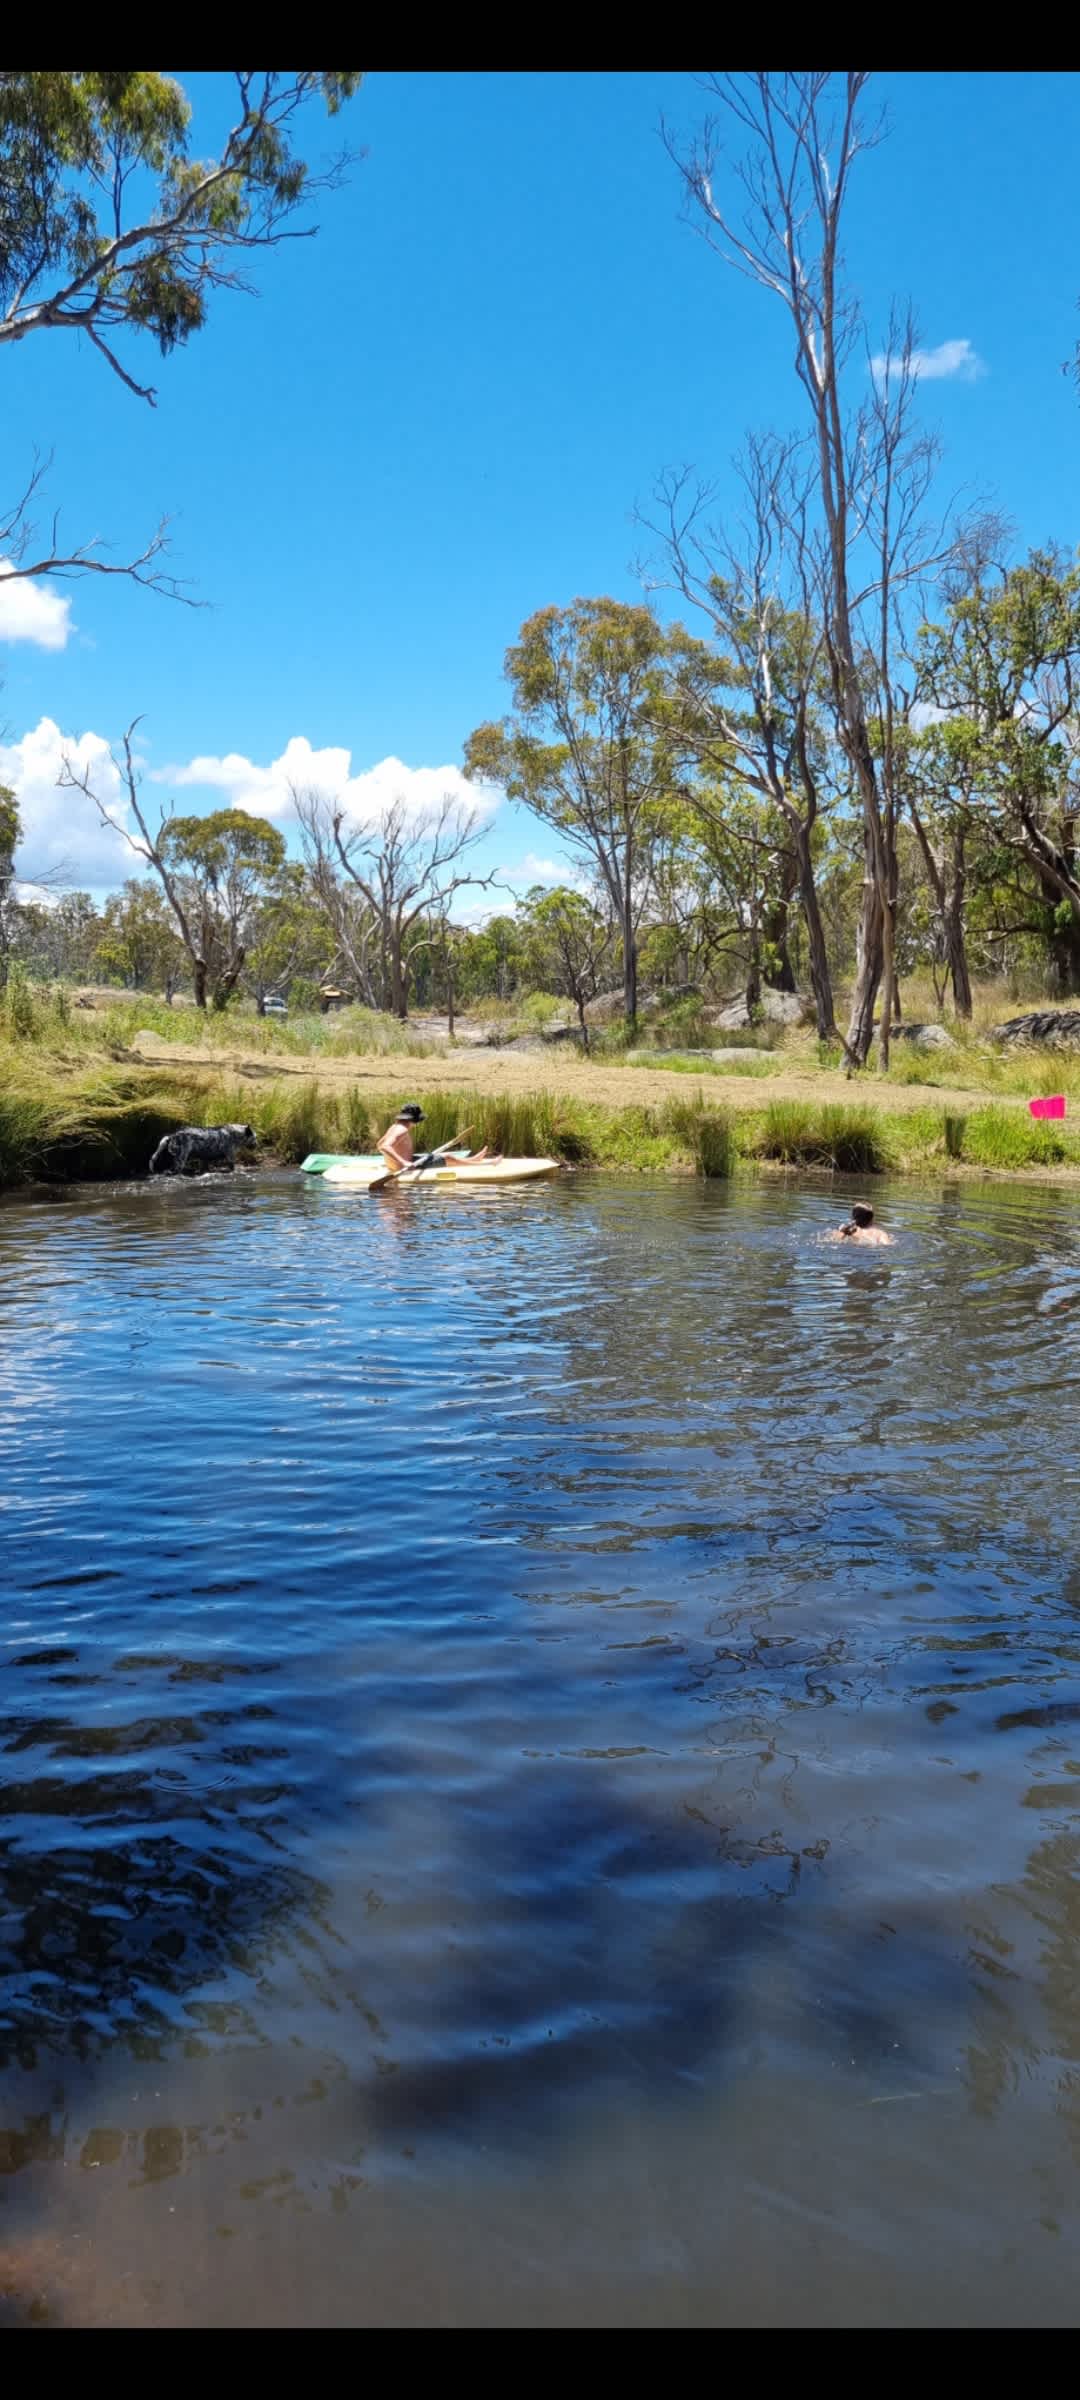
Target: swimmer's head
(861, 1213)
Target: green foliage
(567, 942)
(137, 942)
(107, 223)
(227, 871)
(590, 748)
(20, 1011)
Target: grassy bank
(63, 1125)
(89, 1093)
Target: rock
(924, 1037)
(1052, 1026)
(669, 998)
(777, 1008)
(606, 1007)
(786, 1008)
(148, 1041)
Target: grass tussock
(1004, 1137)
(849, 1140)
(706, 1135)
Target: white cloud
(366, 797)
(533, 869)
(65, 841)
(32, 612)
(63, 835)
(951, 362)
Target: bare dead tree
(891, 471)
(755, 700)
(406, 870)
(27, 555)
(213, 870)
(144, 843)
(804, 134)
(352, 924)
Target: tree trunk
(1064, 948)
(198, 971)
(955, 940)
(778, 971)
(227, 981)
(583, 1022)
(629, 969)
(870, 961)
(399, 1002)
(820, 977)
(753, 974)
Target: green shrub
(21, 1007)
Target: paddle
(379, 1182)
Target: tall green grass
(1007, 1137)
(849, 1140)
(705, 1134)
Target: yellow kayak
(360, 1173)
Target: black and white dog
(198, 1149)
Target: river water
(540, 1741)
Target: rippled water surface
(540, 1741)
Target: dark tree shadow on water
(592, 1946)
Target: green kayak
(318, 1160)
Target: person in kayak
(396, 1144)
(862, 1228)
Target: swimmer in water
(862, 1229)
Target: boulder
(777, 1008)
(924, 1037)
(1054, 1027)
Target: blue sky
(439, 414)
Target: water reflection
(630, 1760)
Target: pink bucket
(1048, 1108)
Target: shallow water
(540, 1741)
